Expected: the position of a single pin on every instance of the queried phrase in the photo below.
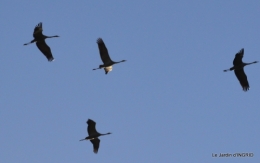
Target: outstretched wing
(91, 127)
(238, 57)
(103, 51)
(37, 30)
(241, 76)
(45, 49)
(95, 143)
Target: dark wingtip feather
(39, 24)
(51, 59)
(99, 40)
(90, 121)
(240, 53)
(245, 89)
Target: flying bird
(107, 62)
(39, 38)
(239, 69)
(93, 135)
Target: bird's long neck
(50, 36)
(250, 63)
(119, 62)
(105, 134)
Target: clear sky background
(170, 102)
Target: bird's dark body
(39, 38)
(238, 67)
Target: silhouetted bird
(93, 135)
(107, 62)
(239, 69)
(39, 38)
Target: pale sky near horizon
(169, 102)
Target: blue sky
(170, 102)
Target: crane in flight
(93, 135)
(107, 62)
(39, 38)
(239, 69)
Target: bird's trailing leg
(82, 139)
(30, 42)
(100, 67)
(96, 68)
(232, 68)
(226, 70)
(87, 138)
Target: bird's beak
(82, 139)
